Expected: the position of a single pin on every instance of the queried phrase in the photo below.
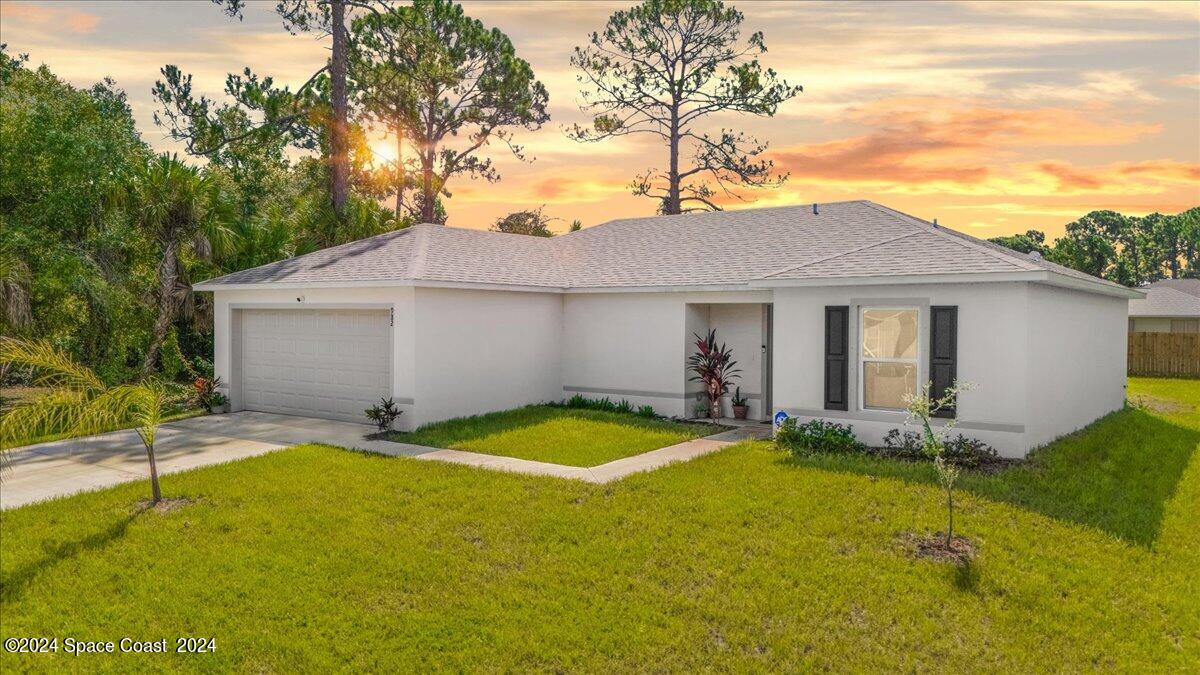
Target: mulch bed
(933, 547)
(986, 465)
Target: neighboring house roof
(1189, 286)
(1166, 301)
(779, 246)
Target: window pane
(885, 384)
(1185, 325)
(890, 333)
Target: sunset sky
(992, 117)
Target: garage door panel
(322, 363)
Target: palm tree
(185, 213)
(14, 290)
(78, 402)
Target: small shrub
(970, 453)
(701, 410)
(202, 367)
(646, 411)
(816, 436)
(384, 413)
(603, 404)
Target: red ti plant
(713, 366)
(206, 392)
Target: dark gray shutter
(943, 353)
(837, 357)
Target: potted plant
(713, 366)
(739, 405)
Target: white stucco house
(832, 311)
(1170, 306)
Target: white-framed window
(888, 356)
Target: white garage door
(330, 363)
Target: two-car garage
(328, 363)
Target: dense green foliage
(743, 560)
(99, 237)
(559, 435)
(65, 153)
(1130, 250)
(532, 222)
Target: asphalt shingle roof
(1189, 286)
(1165, 300)
(843, 239)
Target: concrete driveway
(69, 466)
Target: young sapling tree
(920, 409)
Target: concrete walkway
(65, 467)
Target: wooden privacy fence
(1164, 354)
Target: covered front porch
(746, 329)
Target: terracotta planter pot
(739, 412)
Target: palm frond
(50, 413)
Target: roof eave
(381, 283)
(1075, 283)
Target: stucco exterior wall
(992, 344)
(1044, 361)
(1077, 354)
(634, 345)
(482, 351)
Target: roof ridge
(416, 262)
(709, 213)
(840, 254)
(961, 238)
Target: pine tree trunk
(168, 304)
(339, 170)
(428, 198)
(673, 206)
(399, 172)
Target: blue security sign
(779, 418)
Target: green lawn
(316, 559)
(558, 435)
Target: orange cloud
(1127, 177)
(941, 141)
(1164, 169)
(47, 17)
(551, 188)
(1069, 177)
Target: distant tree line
(1130, 250)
